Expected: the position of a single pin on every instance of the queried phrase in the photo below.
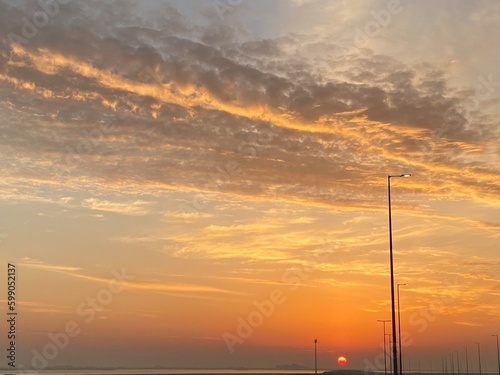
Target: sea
(167, 372)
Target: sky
(204, 184)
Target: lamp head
(400, 175)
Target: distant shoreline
(226, 371)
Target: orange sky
(185, 185)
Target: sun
(342, 361)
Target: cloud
(130, 208)
(39, 307)
(186, 216)
(130, 282)
(468, 324)
(154, 105)
(33, 263)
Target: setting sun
(342, 361)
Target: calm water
(172, 371)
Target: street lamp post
(385, 353)
(390, 357)
(315, 357)
(399, 334)
(498, 355)
(479, 356)
(393, 310)
(458, 363)
(466, 361)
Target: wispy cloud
(131, 282)
(468, 324)
(130, 208)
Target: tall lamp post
(399, 334)
(315, 357)
(394, 348)
(466, 361)
(479, 356)
(390, 361)
(498, 355)
(385, 353)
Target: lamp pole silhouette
(458, 363)
(466, 361)
(479, 356)
(498, 355)
(385, 352)
(390, 361)
(315, 357)
(399, 334)
(393, 310)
